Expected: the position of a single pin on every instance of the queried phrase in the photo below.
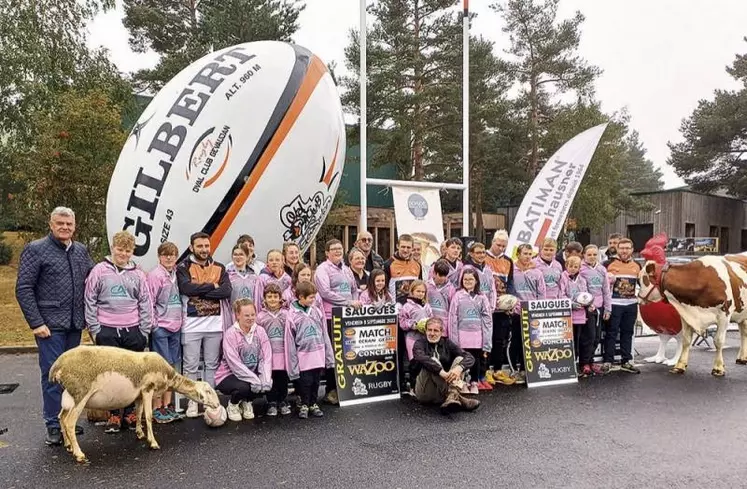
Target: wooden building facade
(683, 213)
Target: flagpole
(466, 213)
(363, 122)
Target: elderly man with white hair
(50, 290)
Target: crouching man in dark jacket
(440, 365)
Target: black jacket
(435, 357)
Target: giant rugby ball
(247, 140)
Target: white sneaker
(234, 413)
(192, 409)
(247, 411)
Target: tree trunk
(534, 126)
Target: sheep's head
(206, 395)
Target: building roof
(686, 188)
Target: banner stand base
(354, 402)
(552, 382)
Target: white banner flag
(545, 206)
(418, 213)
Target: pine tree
(184, 31)
(545, 63)
(713, 154)
(412, 51)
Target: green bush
(6, 251)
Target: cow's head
(649, 280)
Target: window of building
(744, 240)
(689, 230)
(713, 232)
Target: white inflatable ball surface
(249, 139)
(215, 417)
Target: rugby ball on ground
(249, 139)
(215, 417)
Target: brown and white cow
(709, 290)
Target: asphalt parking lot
(649, 430)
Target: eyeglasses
(366, 240)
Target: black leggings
(516, 349)
(477, 370)
(501, 337)
(584, 336)
(279, 386)
(308, 385)
(237, 389)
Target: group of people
(260, 326)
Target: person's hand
(216, 285)
(42, 331)
(454, 374)
(444, 375)
(606, 316)
(256, 389)
(356, 304)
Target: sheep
(105, 377)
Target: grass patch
(13, 328)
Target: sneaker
(606, 368)
(331, 398)
(519, 377)
(465, 388)
(630, 368)
(54, 436)
(176, 416)
(501, 377)
(484, 386)
(234, 412)
(315, 411)
(161, 416)
(596, 369)
(247, 410)
(490, 377)
(473, 388)
(113, 425)
(193, 410)
(285, 409)
(131, 421)
(586, 371)
(272, 409)
(303, 411)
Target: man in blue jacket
(51, 281)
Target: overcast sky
(659, 56)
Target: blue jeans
(622, 321)
(49, 350)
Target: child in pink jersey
(273, 273)
(376, 292)
(119, 311)
(168, 317)
(302, 273)
(273, 319)
(471, 323)
(412, 317)
(243, 279)
(308, 349)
